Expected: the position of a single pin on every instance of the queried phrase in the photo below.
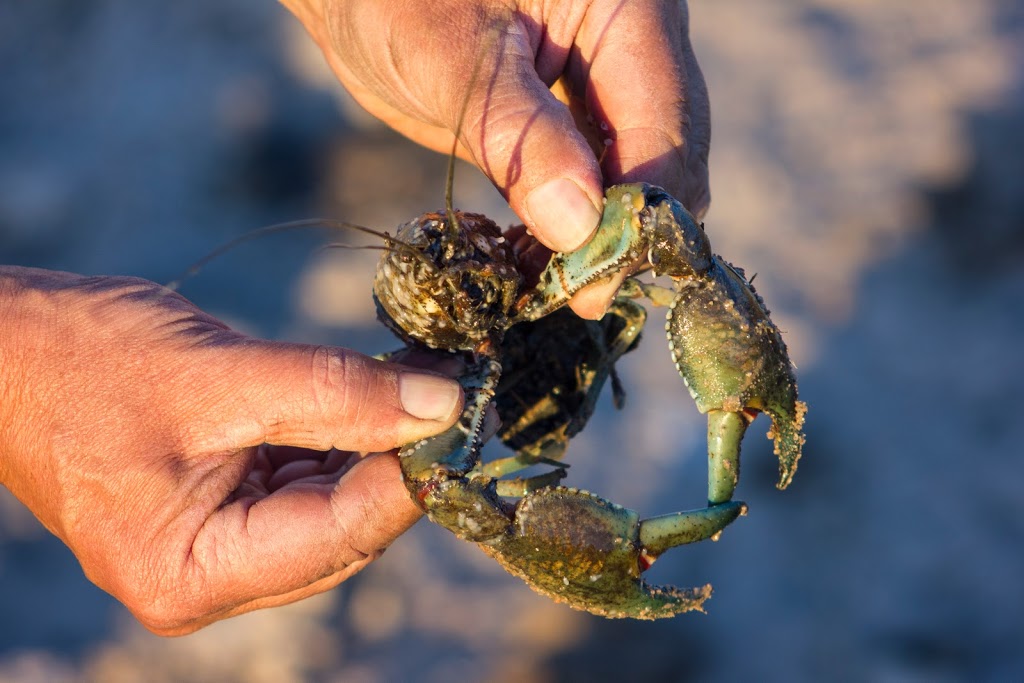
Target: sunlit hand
(630, 63)
(131, 424)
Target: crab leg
(656, 294)
(517, 488)
(620, 243)
(515, 463)
(456, 450)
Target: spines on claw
(733, 357)
(787, 434)
(440, 472)
(639, 221)
(456, 450)
(617, 243)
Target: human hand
(630, 64)
(132, 424)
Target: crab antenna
(284, 227)
(364, 247)
(449, 182)
(450, 176)
(390, 249)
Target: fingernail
(428, 397)
(563, 217)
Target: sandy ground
(866, 163)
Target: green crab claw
(787, 434)
(582, 550)
(735, 364)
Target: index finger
(640, 89)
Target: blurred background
(867, 162)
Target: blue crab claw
(584, 551)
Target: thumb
(303, 539)
(526, 141)
(322, 397)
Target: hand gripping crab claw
(449, 281)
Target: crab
(450, 281)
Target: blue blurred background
(867, 162)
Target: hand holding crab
(135, 427)
(629, 64)
(656, 119)
(451, 283)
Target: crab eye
(472, 289)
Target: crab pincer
(570, 545)
(724, 344)
(582, 550)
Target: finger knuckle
(165, 608)
(329, 374)
(341, 385)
